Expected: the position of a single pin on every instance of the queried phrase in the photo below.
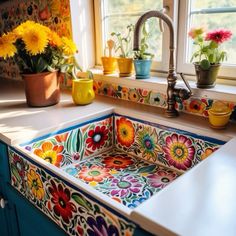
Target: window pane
(201, 4)
(212, 21)
(120, 13)
(121, 6)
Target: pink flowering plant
(207, 44)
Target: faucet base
(171, 113)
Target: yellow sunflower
(35, 39)
(22, 27)
(54, 39)
(7, 48)
(35, 184)
(68, 46)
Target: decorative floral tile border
(159, 144)
(194, 105)
(70, 208)
(55, 14)
(76, 144)
(124, 178)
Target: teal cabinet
(19, 217)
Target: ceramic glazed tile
(126, 179)
(138, 95)
(71, 209)
(55, 14)
(194, 105)
(75, 144)
(159, 144)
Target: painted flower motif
(219, 36)
(125, 132)
(125, 93)
(94, 173)
(60, 197)
(97, 137)
(95, 87)
(117, 162)
(50, 153)
(108, 90)
(19, 165)
(157, 99)
(207, 153)
(161, 178)
(35, 184)
(147, 142)
(196, 106)
(179, 151)
(133, 95)
(99, 227)
(125, 185)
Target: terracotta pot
(125, 66)
(206, 78)
(42, 89)
(109, 65)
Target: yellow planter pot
(109, 65)
(125, 66)
(82, 91)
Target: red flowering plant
(208, 45)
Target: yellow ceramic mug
(82, 91)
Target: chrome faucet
(172, 92)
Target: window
(211, 14)
(115, 15)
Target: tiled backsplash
(194, 105)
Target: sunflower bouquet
(36, 48)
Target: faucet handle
(187, 84)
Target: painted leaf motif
(74, 141)
(147, 169)
(80, 200)
(15, 173)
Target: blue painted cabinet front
(19, 217)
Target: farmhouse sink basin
(89, 177)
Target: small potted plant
(124, 47)
(142, 58)
(40, 54)
(109, 62)
(208, 56)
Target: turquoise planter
(142, 68)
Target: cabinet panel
(30, 220)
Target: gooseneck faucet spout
(172, 92)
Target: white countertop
(200, 202)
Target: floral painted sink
(95, 173)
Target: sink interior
(125, 158)
(127, 179)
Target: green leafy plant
(207, 46)
(142, 53)
(123, 42)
